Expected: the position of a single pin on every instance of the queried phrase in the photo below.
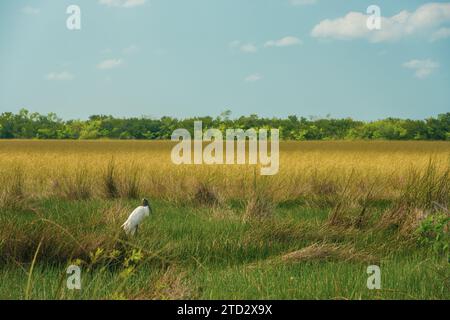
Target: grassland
(224, 231)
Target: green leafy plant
(434, 232)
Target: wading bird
(136, 217)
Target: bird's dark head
(145, 203)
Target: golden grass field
(77, 169)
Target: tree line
(32, 125)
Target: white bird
(136, 217)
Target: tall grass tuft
(345, 200)
(353, 205)
(364, 213)
(205, 195)
(77, 186)
(425, 194)
(323, 190)
(110, 181)
(131, 184)
(260, 204)
(12, 191)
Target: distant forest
(28, 125)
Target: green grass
(192, 251)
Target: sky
(186, 58)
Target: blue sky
(200, 57)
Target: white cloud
(122, 3)
(302, 2)
(243, 47)
(252, 48)
(354, 24)
(442, 33)
(422, 68)
(30, 10)
(283, 42)
(59, 76)
(109, 64)
(249, 48)
(253, 77)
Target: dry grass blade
(324, 251)
(30, 273)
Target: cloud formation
(59, 76)
(253, 77)
(283, 42)
(442, 33)
(243, 47)
(252, 48)
(424, 20)
(422, 68)
(109, 64)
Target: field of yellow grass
(78, 169)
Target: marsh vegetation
(310, 231)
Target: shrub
(434, 232)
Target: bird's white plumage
(135, 219)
